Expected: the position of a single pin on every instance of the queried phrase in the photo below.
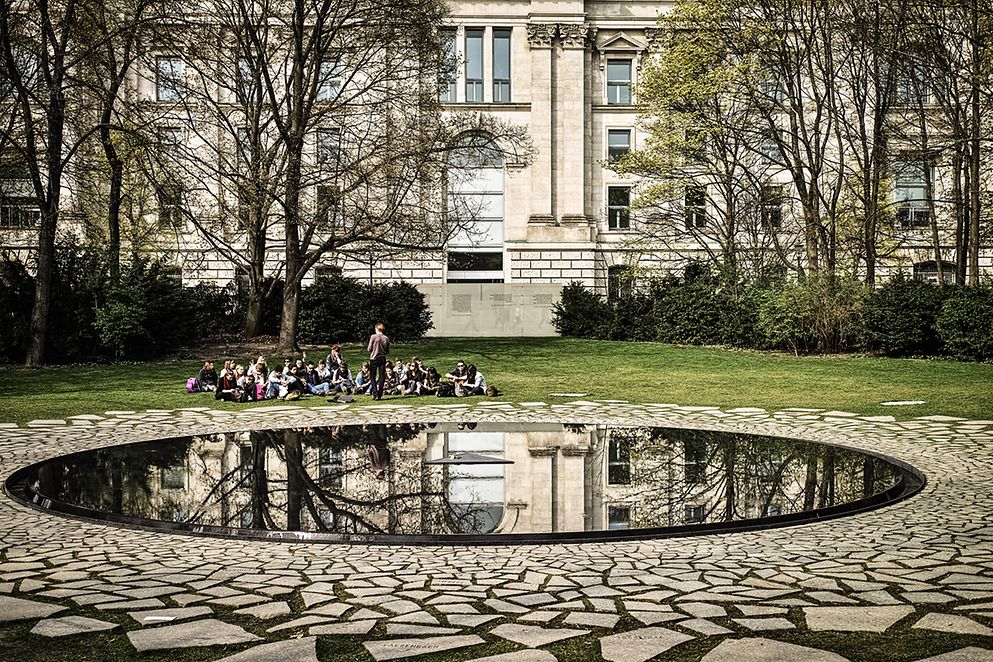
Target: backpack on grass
(192, 385)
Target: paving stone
(418, 630)
(291, 650)
(69, 625)
(150, 603)
(265, 611)
(854, 619)
(159, 616)
(703, 610)
(208, 632)
(348, 628)
(704, 627)
(640, 645)
(534, 636)
(19, 609)
(762, 624)
(952, 623)
(303, 621)
(655, 617)
(392, 649)
(471, 620)
(583, 619)
(238, 600)
(527, 655)
(538, 616)
(418, 617)
(755, 610)
(767, 650)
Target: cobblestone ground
(906, 582)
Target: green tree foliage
(814, 314)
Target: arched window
(475, 206)
(476, 492)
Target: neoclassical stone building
(568, 70)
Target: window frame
(623, 88)
(165, 90)
(448, 79)
(502, 86)
(474, 84)
(695, 210)
(615, 157)
(619, 216)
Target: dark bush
(340, 309)
(899, 317)
(213, 311)
(965, 323)
(634, 315)
(582, 314)
(16, 301)
(696, 310)
(79, 282)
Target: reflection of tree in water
(332, 480)
(676, 476)
(116, 480)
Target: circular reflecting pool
(444, 482)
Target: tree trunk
(254, 315)
(42, 289)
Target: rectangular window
(331, 467)
(173, 478)
(501, 65)
(245, 85)
(618, 518)
(769, 150)
(695, 206)
(619, 207)
(168, 78)
(771, 90)
(170, 205)
(170, 142)
(618, 81)
(328, 150)
(619, 461)
(18, 207)
(327, 205)
(911, 193)
(618, 143)
(694, 461)
(474, 65)
(620, 283)
(912, 88)
(329, 85)
(449, 67)
(694, 514)
(475, 266)
(771, 201)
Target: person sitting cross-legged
(341, 379)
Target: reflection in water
(387, 479)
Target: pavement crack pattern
(916, 576)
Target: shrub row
(148, 313)
(815, 314)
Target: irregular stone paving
(922, 568)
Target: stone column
(543, 515)
(540, 37)
(571, 129)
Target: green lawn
(530, 369)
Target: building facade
(569, 71)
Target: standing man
(379, 347)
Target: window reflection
(413, 479)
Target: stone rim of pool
(911, 482)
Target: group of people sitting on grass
(332, 377)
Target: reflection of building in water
(558, 479)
